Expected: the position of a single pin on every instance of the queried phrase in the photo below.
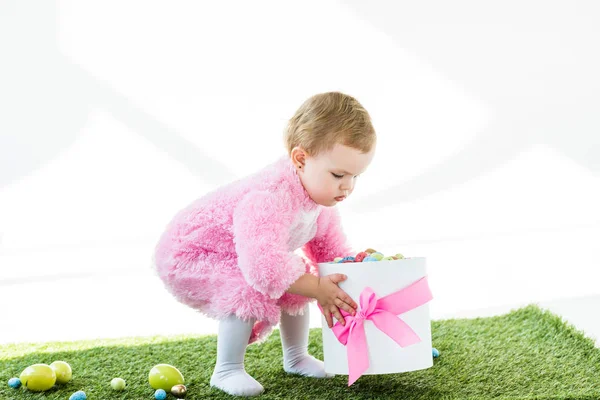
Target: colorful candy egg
(360, 256)
(118, 384)
(79, 395)
(160, 394)
(179, 391)
(14, 383)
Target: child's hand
(331, 298)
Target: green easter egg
(165, 376)
(62, 370)
(38, 377)
(117, 384)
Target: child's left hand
(330, 297)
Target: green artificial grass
(525, 354)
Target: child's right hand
(331, 298)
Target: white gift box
(385, 355)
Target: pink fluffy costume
(232, 251)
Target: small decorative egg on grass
(63, 371)
(179, 391)
(79, 395)
(160, 394)
(369, 259)
(38, 377)
(348, 259)
(399, 256)
(377, 255)
(165, 376)
(117, 384)
(388, 258)
(435, 352)
(14, 383)
(370, 251)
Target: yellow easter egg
(38, 377)
(165, 376)
(62, 370)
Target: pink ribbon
(384, 314)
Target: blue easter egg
(14, 383)
(80, 395)
(369, 259)
(349, 258)
(160, 394)
(435, 352)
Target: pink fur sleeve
(330, 241)
(261, 228)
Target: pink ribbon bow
(384, 314)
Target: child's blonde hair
(329, 118)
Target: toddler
(231, 254)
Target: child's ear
(298, 156)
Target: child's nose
(346, 186)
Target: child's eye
(337, 176)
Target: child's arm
(261, 229)
(329, 241)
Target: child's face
(330, 176)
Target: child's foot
(236, 382)
(306, 366)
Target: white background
(115, 115)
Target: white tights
(229, 374)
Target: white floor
(134, 303)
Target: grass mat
(525, 354)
